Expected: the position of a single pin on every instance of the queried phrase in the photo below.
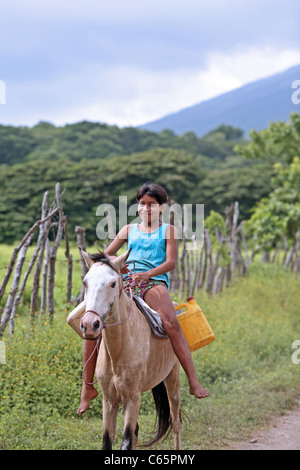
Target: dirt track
(283, 434)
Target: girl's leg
(88, 391)
(159, 299)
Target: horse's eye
(113, 285)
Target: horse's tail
(163, 418)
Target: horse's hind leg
(173, 389)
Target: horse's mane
(101, 257)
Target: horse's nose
(90, 327)
(96, 325)
(82, 327)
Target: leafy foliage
(89, 183)
(279, 143)
(87, 140)
(246, 184)
(96, 163)
(278, 215)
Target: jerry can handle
(178, 307)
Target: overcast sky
(127, 62)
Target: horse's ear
(120, 261)
(87, 259)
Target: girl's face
(149, 209)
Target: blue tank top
(148, 250)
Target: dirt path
(283, 434)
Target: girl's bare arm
(112, 250)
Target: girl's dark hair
(153, 190)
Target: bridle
(127, 287)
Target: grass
(247, 369)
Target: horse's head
(103, 286)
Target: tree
(279, 143)
(90, 183)
(247, 185)
(277, 216)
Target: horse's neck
(117, 334)
(125, 306)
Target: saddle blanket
(152, 317)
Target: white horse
(131, 358)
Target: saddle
(152, 317)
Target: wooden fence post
(70, 262)
(53, 251)
(80, 232)
(44, 229)
(45, 278)
(15, 284)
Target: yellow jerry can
(194, 325)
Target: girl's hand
(140, 277)
(124, 270)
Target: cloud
(144, 95)
(130, 62)
(126, 95)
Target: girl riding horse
(153, 249)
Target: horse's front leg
(131, 427)
(110, 413)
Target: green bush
(43, 368)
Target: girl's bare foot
(198, 391)
(88, 393)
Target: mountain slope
(252, 106)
